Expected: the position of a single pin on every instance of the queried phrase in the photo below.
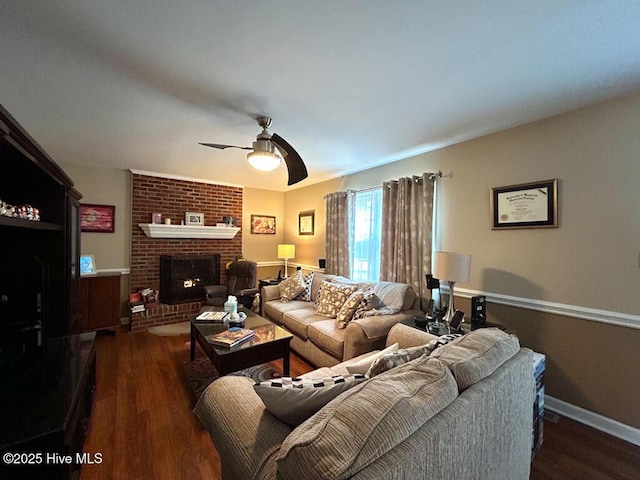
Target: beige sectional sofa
(317, 338)
(464, 411)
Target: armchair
(242, 276)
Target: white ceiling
(349, 83)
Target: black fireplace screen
(183, 277)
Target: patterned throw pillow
(349, 308)
(331, 297)
(442, 340)
(306, 293)
(369, 301)
(293, 400)
(291, 287)
(395, 359)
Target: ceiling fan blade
(295, 165)
(222, 147)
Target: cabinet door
(102, 299)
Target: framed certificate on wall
(527, 205)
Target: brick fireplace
(172, 198)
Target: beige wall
(590, 262)
(107, 186)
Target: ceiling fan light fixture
(265, 161)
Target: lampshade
(454, 267)
(264, 161)
(286, 250)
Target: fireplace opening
(183, 277)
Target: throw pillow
(291, 287)
(293, 400)
(442, 340)
(331, 297)
(349, 308)
(369, 302)
(363, 365)
(395, 359)
(306, 293)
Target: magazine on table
(231, 337)
(212, 317)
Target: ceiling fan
(264, 156)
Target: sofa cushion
(293, 400)
(395, 359)
(367, 421)
(291, 287)
(345, 314)
(275, 309)
(326, 335)
(363, 365)
(477, 354)
(331, 297)
(298, 321)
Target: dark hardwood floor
(143, 426)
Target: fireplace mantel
(161, 230)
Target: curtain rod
(432, 176)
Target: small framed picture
(305, 222)
(156, 218)
(87, 265)
(263, 224)
(192, 218)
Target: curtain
(338, 233)
(407, 230)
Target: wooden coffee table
(270, 342)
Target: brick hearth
(172, 198)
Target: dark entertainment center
(47, 368)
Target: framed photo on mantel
(526, 205)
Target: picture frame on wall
(97, 218)
(306, 221)
(194, 219)
(526, 205)
(263, 224)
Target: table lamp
(451, 268)
(286, 251)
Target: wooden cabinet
(39, 261)
(99, 301)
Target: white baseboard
(599, 422)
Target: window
(366, 226)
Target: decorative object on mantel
(263, 224)
(192, 218)
(161, 230)
(306, 222)
(451, 268)
(97, 218)
(527, 205)
(156, 218)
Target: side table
(266, 282)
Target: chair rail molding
(584, 313)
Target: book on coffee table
(212, 317)
(231, 337)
